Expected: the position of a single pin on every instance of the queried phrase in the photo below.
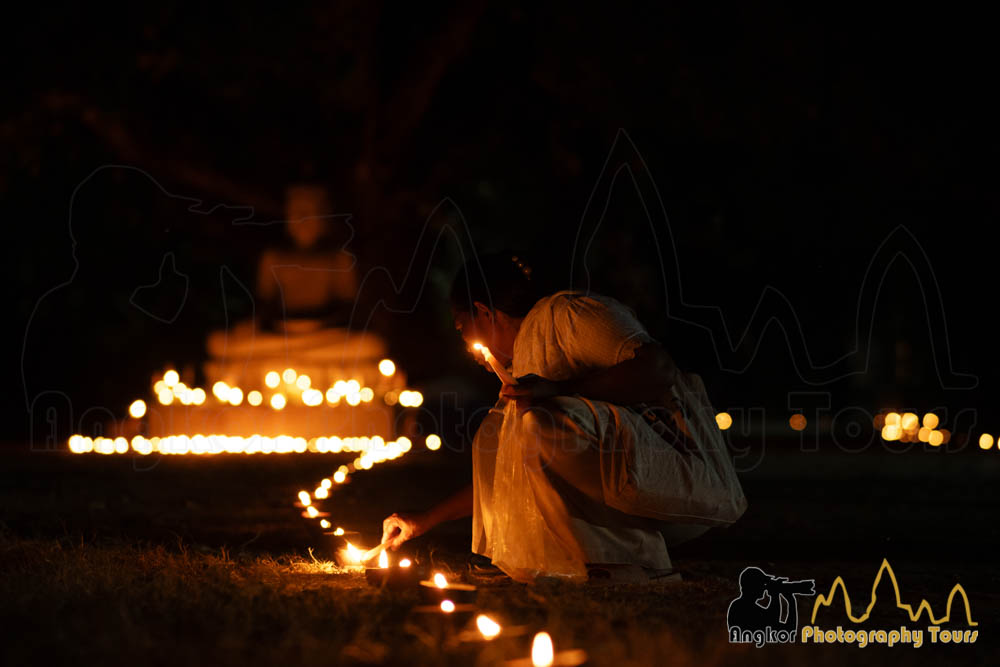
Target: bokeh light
(137, 409)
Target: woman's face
(492, 329)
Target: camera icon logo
(766, 611)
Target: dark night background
(787, 149)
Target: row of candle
(169, 389)
(892, 426)
(372, 450)
(450, 598)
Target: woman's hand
(532, 387)
(398, 528)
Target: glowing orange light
(433, 442)
(304, 498)
(909, 421)
(289, 375)
(406, 562)
(353, 553)
(303, 382)
(171, 377)
(312, 397)
(891, 431)
(487, 626)
(339, 531)
(272, 379)
(542, 651)
(312, 512)
(278, 401)
(255, 398)
(166, 397)
(383, 559)
(931, 420)
(221, 391)
(985, 441)
(386, 367)
(724, 420)
(797, 422)
(935, 439)
(440, 581)
(324, 524)
(137, 409)
(447, 606)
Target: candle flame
(447, 606)
(339, 531)
(304, 498)
(324, 523)
(353, 553)
(137, 409)
(477, 346)
(312, 512)
(542, 652)
(487, 626)
(440, 581)
(383, 560)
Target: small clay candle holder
(395, 576)
(458, 593)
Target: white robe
(531, 523)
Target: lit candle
(487, 626)
(439, 588)
(501, 372)
(542, 651)
(399, 575)
(543, 654)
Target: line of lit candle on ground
(446, 599)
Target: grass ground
(204, 561)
